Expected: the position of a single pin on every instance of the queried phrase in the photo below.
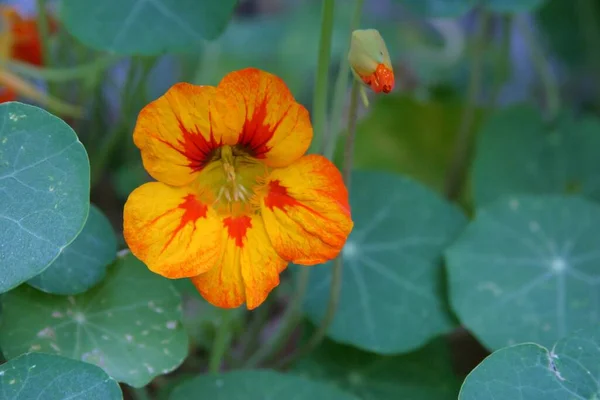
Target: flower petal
(256, 110)
(174, 134)
(172, 231)
(249, 270)
(306, 211)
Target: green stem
(591, 35)
(221, 343)
(42, 23)
(251, 338)
(503, 63)
(63, 74)
(319, 111)
(341, 84)
(460, 156)
(289, 321)
(336, 274)
(541, 64)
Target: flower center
(231, 177)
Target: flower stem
(336, 274)
(544, 70)
(502, 64)
(221, 343)
(319, 111)
(341, 86)
(460, 158)
(63, 74)
(42, 23)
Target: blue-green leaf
(146, 27)
(557, 159)
(256, 385)
(51, 377)
(130, 324)
(570, 370)
(83, 263)
(392, 298)
(527, 269)
(44, 191)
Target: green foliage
(44, 191)
(51, 377)
(146, 27)
(83, 263)
(569, 370)
(425, 374)
(559, 158)
(457, 8)
(130, 324)
(257, 385)
(392, 298)
(526, 269)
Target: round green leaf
(512, 6)
(527, 269)
(51, 377)
(129, 324)
(146, 27)
(426, 374)
(392, 288)
(82, 264)
(44, 191)
(440, 8)
(557, 159)
(256, 385)
(570, 370)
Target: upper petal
(306, 212)
(172, 231)
(256, 110)
(250, 267)
(174, 134)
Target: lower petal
(306, 211)
(249, 269)
(172, 231)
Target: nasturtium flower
(236, 198)
(370, 61)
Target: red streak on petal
(278, 197)
(193, 210)
(237, 228)
(255, 133)
(196, 148)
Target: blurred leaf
(256, 385)
(562, 27)
(457, 8)
(392, 298)
(403, 135)
(423, 375)
(44, 191)
(146, 27)
(201, 319)
(526, 269)
(129, 177)
(83, 263)
(518, 153)
(51, 377)
(529, 371)
(129, 324)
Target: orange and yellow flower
(236, 198)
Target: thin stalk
(544, 70)
(319, 111)
(42, 23)
(501, 72)
(336, 274)
(460, 158)
(62, 74)
(340, 91)
(251, 339)
(289, 321)
(221, 343)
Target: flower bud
(370, 61)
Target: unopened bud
(370, 61)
